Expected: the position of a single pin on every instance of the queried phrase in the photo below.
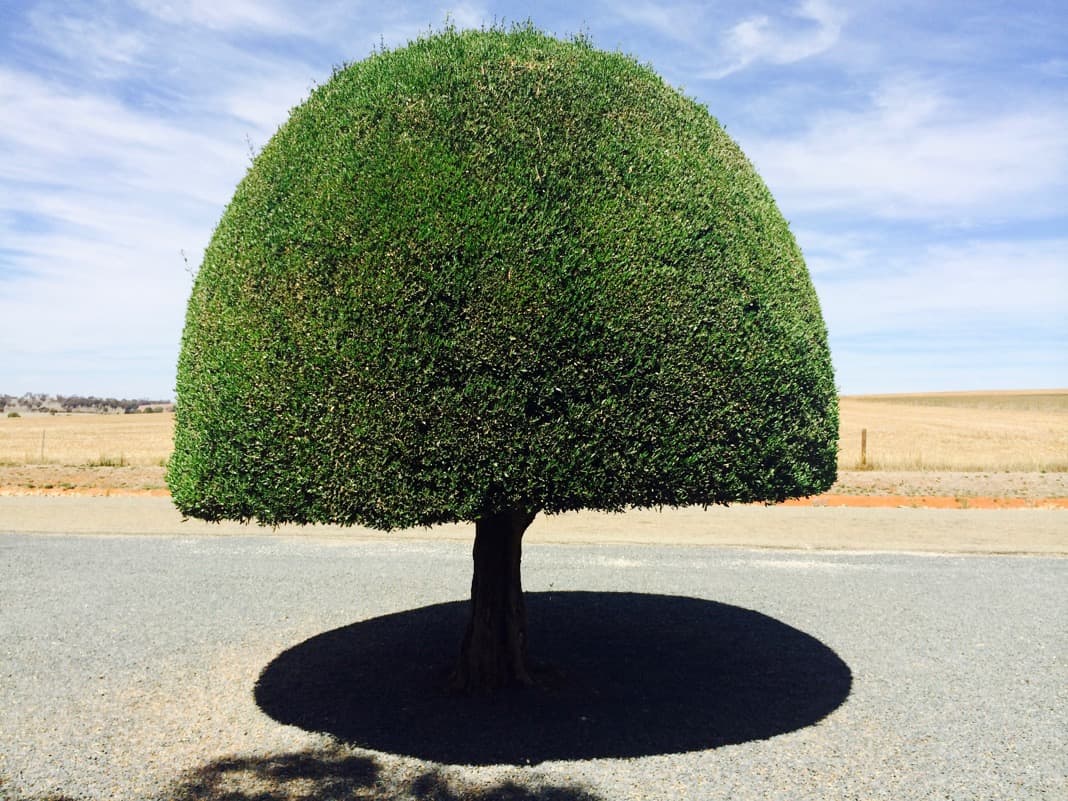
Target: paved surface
(130, 666)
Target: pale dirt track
(904, 528)
(883, 488)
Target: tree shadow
(644, 675)
(329, 773)
(337, 772)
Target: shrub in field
(487, 275)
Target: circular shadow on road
(641, 675)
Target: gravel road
(172, 666)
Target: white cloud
(967, 363)
(467, 15)
(913, 153)
(834, 254)
(94, 215)
(971, 315)
(102, 46)
(1054, 67)
(395, 25)
(62, 136)
(680, 22)
(945, 288)
(808, 29)
(262, 103)
(780, 40)
(226, 15)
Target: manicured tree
(492, 274)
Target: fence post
(863, 447)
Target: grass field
(978, 432)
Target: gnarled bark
(494, 649)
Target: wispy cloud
(260, 103)
(94, 215)
(103, 47)
(941, 286)
(239, 15)
(718, 48)
(1054, 67)
(468, 15)
(912, 152)
(71, 141)
(982, 314)
(679, 22)
(812, 28)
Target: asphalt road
(196, 666)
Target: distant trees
(42, 403)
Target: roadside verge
(1005, 531)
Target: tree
(492, 274)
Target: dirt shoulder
(950, 484)
(872, 488)
(901, 529)
(58, 479)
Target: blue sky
(918, 149)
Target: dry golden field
(966, 431)
(913, 437)
(107, 440)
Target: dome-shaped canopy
(496, 270)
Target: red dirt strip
(930, 502)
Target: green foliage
(497, 270)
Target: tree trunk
(494, 649)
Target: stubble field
(968, 431)
(955, 445)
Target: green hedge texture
(491, 270)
